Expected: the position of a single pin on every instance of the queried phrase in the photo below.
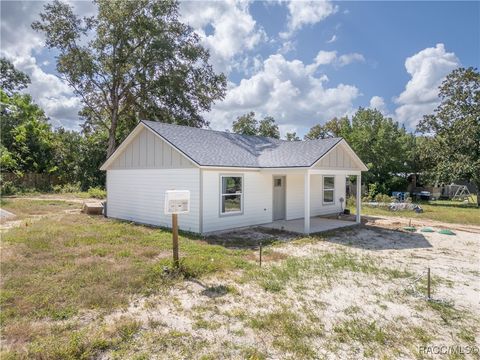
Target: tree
(11, 79)
(333, 128)
(291, 136)
(268, 128)
(134, 59)
(452, 147)
(386, 148)
(246, 124)
(26, 136)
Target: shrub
(67, 188)
(351, 202)
(97, 193)
(382, 198)
(8, 188)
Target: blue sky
(302, 62)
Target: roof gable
(210, 148)
(227, 149)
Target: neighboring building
(234, 180)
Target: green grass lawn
(54, 268)
(439, 210)
(64, 274)
(24, 208)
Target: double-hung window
(328, 189)
(231, 197)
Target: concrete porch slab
(317, 224)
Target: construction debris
(92, 208)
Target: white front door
(279, 200)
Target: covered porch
(317, 224)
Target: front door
(279, 201)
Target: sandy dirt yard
(350, 294)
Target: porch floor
(317, 224)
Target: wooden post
(260, 254)
(176, 262)
(428, 283)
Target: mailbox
(177, 201)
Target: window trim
(221, 195)
(323, 190)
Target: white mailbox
(177, 201)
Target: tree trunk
(112, 132)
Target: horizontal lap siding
(139, 194)
(257, 201)
(296, 196)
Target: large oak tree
(451, 148)
(133, 59)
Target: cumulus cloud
(301, 13)
(226, 28)
(427, 68)
(22, 46)
(287, 90)
(377, 102)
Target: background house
(234, 180)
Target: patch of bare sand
(220, 323)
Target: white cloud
(331, 58)
(287, 90)
(226, 28)
(325, 57)
(332, 39)
(350, 58)
(303, 13)
(377, 102)
(427, 68)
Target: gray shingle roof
(218, 148)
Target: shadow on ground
(250, 238)
(373, 238)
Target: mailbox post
(176, 202)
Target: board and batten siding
(257, 200)
(148, 151)
(139, 194)
(296, 196)
(338, 158)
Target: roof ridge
(212, 130)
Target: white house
(234, 180)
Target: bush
(8, 188)
(97, 193)
(67, 188)
(382, 198)
(351, 202)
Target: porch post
(358, 219)
(306, 214)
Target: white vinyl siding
(139, 195)
(257, 200)
(295, 196)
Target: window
(278, 182)
(231, 196)
(328, 189)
